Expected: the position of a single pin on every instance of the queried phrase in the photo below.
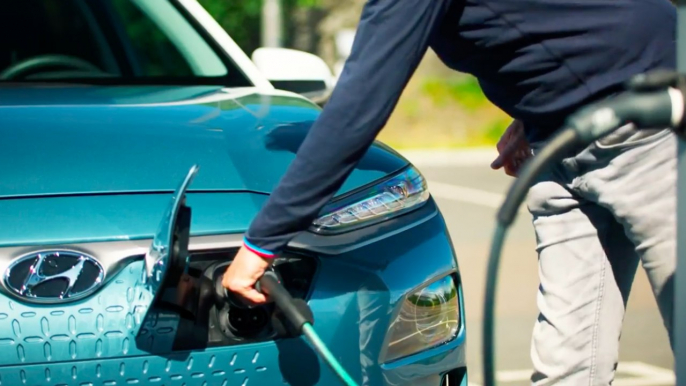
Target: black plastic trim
(299, 86)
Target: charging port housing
(206, 321)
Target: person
(600, 211)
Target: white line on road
(644, 375)
(451, 158)
(464, 194)
(632, 374)
(468, 195)
(514, 375)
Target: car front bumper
(355, 294)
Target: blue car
(137, 142)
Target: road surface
(468, 193)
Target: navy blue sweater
(538, 60)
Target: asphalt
(468, 193)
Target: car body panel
(65, 141)
(98, 218)
(64, 191)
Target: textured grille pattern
(219, 367)
(100, 326)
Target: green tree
(242, 18)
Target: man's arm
(392, 38)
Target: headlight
(394, 196)
(428, 317)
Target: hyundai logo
(54, 276)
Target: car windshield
(109, 42)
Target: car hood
(72, 140)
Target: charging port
(216, 317)
(236, 317)
(247, 322)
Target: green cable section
(308, 330)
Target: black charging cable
(301, 320)
(653, 100)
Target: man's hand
(245, 270)
(513, 148)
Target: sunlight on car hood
(87, 139)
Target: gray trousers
(596, 215)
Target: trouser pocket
(629, 136)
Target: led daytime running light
(389, 198)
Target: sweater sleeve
(391, 39)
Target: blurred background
(439, 108)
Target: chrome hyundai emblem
(54, 276)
